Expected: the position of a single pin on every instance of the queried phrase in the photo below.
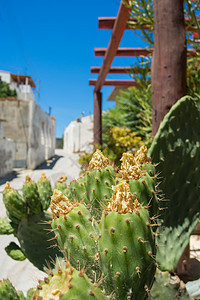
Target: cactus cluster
(108, 227)
(108, 231)
(28, 220)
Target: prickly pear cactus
(140, 174)
(61, 185)
(7, 291)
(75, 230)
(45, 191)
(29, 222)
(14, 251)
(65, 282)
(126, 246)
(167, 287)
(6, 227)
(31, 196)
(176, 150)
(16, 206)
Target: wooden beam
(108, 23)
(117, 33)
(111, 82)
(137, 52)
(97, 131)
(125, 52)
(119, 70)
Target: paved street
(23, 274)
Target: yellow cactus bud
(60, 204)
(7, 186)
(28, 179)
(122, 199)
(62, 179)
(98, 161)
(129, 167)
(141, 156)
(43, 177)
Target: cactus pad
(176, 149)
(67, 283)
(7, 291)
(126, 246)
(76, 233)
(15, 252)
(167, 287)
(36, 239)
(45, 191)
(31, 195)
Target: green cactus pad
(77, 191)
(15, 252)
(31, 196)
(99, 188)
(126, 250)
(37, 240)
(45, 191)
(176, 149)
(15, 205)
(76, 235)
(67, 283)
(145, 191)
(21, 295)
(61, 185)
(30, 293)
(6, 227)
(7, 291)
(167, 287)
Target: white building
(26, 124)
(23, 84)
(78, 136)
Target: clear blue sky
(53, 42)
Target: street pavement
(24, 275)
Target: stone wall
(78, 136)
(31, 129)
(7, 152)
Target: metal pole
(97, 118)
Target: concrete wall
(41, 136)
(78, 136)
(7, 152)
(31, 129)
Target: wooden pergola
(118, 25)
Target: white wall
(78, 136)
(24, 91)
(42, 138)
(7, 152)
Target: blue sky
(53, 42)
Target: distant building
(31, 129)
(7, 152)
(78, 136)
(21, 83)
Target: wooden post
(97, 118)
(168, 70)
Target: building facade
(26, 124)
(78, 136)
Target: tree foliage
(5, 90)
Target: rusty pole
(168, 70)
(97, 118)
